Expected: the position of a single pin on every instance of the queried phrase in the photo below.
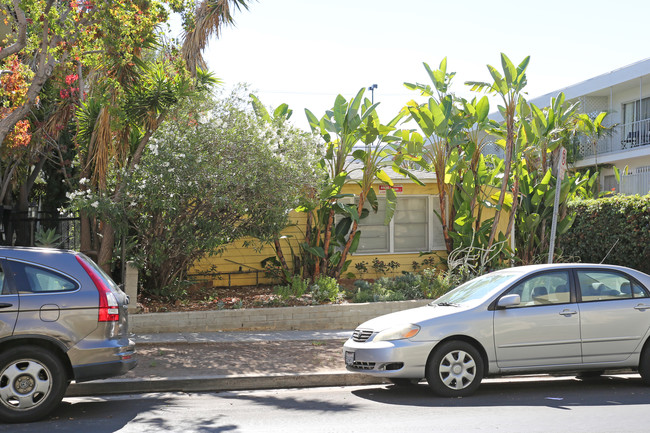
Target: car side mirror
(509, 301)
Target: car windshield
(476, 289)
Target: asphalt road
(610, 404)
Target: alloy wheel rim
(457, 370)
(24, 384)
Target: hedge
(621, 222)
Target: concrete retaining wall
(336, 316)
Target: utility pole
(561, 169)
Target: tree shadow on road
(290, 403)
(111, 414)
(560, 393)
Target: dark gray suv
(61, 319)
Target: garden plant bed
(222, 298)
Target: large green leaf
(564, 225)
(259, 108)
(384, 177)
(339, 110)
(355, 242)
(508, 69)
(391, 204)
(482, 109)
(371, 198)
(316, 251)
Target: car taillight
(109, 309)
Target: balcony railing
(625, 136)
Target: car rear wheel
(32, 383)
(455, 369)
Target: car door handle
(642, 307)
(6, 305)
(567, 313)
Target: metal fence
(637, 182)
(33, 228)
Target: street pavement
(238, 380)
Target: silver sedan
(532, 319)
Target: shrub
(296, 288)
(430, 284)
(615, 230)
(325, 289)
(438, 282)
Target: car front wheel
(644, 364)
(32, 383)
(455, 369)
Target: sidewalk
(225, 361)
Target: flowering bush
(212, 174)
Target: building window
(636, 122)
(413, 229)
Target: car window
(34, 279)
(543, 289)
(607, 285)
(3, 289)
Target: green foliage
(533, 223)
(430, 284)
(355, 141)
(212, 174)
(296, 288)
(614, 230)
(47, 238)
(382, 267)
(325, 289)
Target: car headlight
(398, 333)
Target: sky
(306, 52)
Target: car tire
(644, 364)
(32, 383)
(455, 369)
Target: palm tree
(210, 17)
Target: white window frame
(436, 241)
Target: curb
(218, 383)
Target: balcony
(625, 137)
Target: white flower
(94, 204)
(165, 164)
(83, 180)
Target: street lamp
(372, 93)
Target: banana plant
(355, 140)
(510, 87)
(536, 210)
(441, 125)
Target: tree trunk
(326, 241)
(353, 232)
(506, 173)
(105, 254)
(283, 261)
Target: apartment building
(625, 94)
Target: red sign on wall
(396, 188)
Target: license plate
(349, 358)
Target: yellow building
(414, 229)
